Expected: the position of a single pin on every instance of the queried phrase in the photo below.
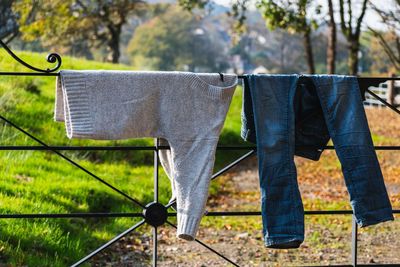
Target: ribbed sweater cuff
(78, 120)
(187, 227)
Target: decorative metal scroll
(51, 58)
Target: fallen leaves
(327, 237)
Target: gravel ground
(239, 239)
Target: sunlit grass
(41, 182)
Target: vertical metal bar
(156, 165)
(354, 235)
(156, 141)
(154, 246)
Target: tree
(390, 39)
(190, 4)
(176, 40)
(66, 22)
(293, 17)
(332, 37)
(390, 42)
(378, 59)
(351, 29)
(8, 21)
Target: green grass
(42, 182)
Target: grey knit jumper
(185, 109)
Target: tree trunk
(331, 53)
(309, 52)
(113, 51)
(353, 57)
(282, 59)
(353, 37)
(113, 44)
(390, 90)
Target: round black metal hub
(155, 214)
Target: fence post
(390, 90)
(354, 235)
(156, 164)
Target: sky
(371, 18)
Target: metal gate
(155, 213)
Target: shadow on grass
(61, 240)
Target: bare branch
(342, 20)
(350, 11)
(361, 17)
(13, 35)
(388, 50)
(398, 45)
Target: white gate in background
(382, 92)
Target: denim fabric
(287, 115)
(248, 131)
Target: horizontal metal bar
(87, 148)
(349, 265)
(9, 73)
(70, 215)
(28, 74)
(77, 148)
(72, 161)
(151, 148)
(258, 213)
(172, 214)
(372, 79)
(222, 171)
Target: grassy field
(41, 182)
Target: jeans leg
(347, 124)
(281, 207)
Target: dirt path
(239, 239)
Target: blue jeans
(287, 115)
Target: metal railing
(155, 213)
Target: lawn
(42, 182)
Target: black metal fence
(155, 213)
